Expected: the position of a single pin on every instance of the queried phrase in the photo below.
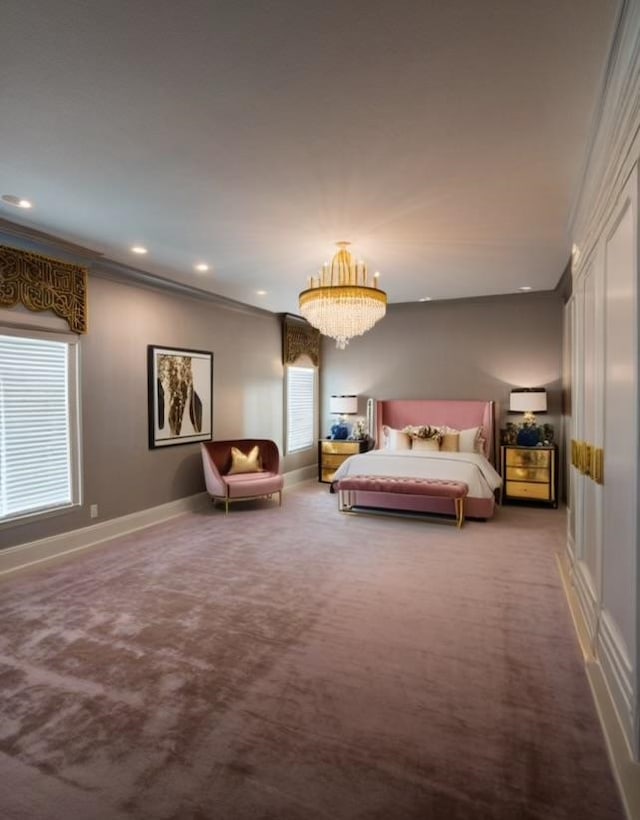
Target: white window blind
(300, 408)
(36, 419)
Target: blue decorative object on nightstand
(528, 436)
(339, 431)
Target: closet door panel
(590, 536)
(576, 480)
(569, 410)
(621, 434)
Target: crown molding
(614, 147)
(32, 239)
(15, 230)
(117, 272)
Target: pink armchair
(216, 460)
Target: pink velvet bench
(390, 485)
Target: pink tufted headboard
(399, 413)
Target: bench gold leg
(226, 506)
(344, 500)
(460, 511)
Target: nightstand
(530, 473)
(332, 452)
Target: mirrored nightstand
(529, 473)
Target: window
(38, 423)
(301, 388)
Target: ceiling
(444, 139)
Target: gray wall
(120, 473)
(465, 349)
(459, 349)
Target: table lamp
(528, 401)
(342, 406)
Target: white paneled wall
(603, 529)
(601, 319)
(620, 499)
(587, 540)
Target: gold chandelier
(340, 302)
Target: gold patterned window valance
(299, 339)
(41, 283)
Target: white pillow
(425, 444)
(395, 439)
(471, 440)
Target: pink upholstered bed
(474, 469)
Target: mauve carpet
(299, 663)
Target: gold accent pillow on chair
(245, 463)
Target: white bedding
(472, 468)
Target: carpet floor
(297, 664)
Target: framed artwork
(180, 385)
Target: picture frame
(180, 396)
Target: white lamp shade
(528, 401)
(343, 405)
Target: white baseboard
(46, 549)
(585, 590)
(617, 671)
(301, 475)
(579, 622)
(626, 770)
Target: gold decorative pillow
(450, 442)
(425, 444)
(245, 462)
(471, 440)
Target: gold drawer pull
(589, 460)
(598, 465)
(576, 454)
(577, 448)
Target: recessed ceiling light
(17, 201)
(525, 288)
(424, 299)
(261, 292)
(202, 266)
(139, 250)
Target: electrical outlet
(93, 511)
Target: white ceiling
(445, 139)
